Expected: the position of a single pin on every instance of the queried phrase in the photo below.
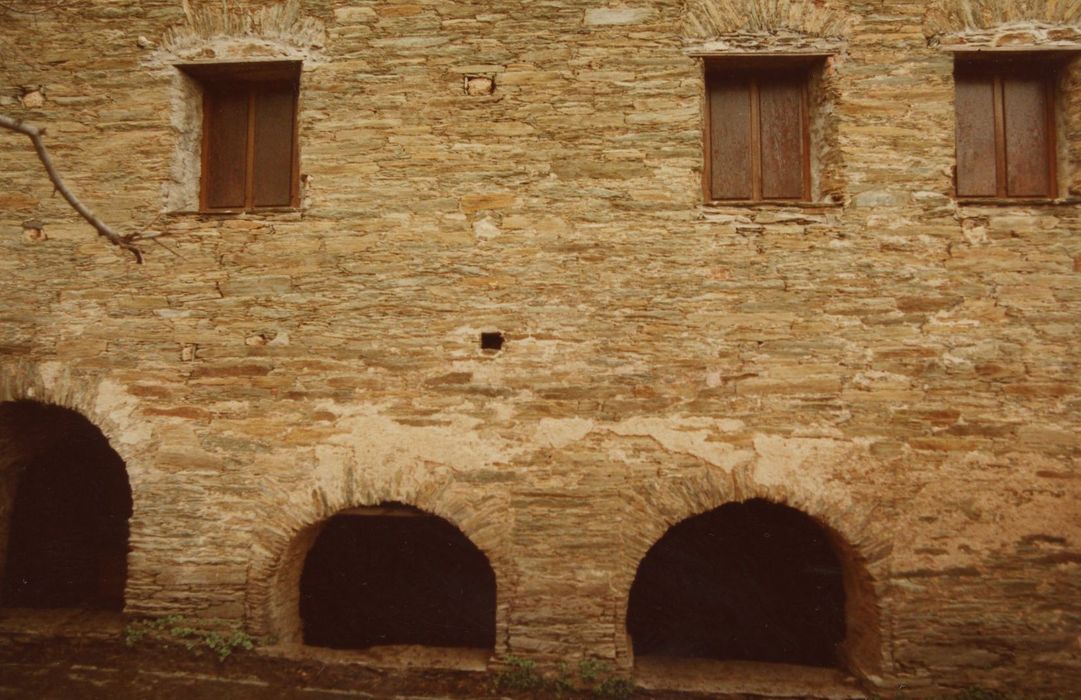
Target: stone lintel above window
(1013, 36)
(783, 44)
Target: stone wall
(898, 365)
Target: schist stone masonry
(682, 335)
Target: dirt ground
(106, 668)
(63, 669)
(65, 654)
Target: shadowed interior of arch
(394, 575)
(751, 581)
(66, 502)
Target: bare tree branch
(127, 242)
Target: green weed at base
(614, 687)
(593, 679)
(977, 693)
(519, 674)
(217, 636)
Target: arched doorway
(65, 501)
(394, 575)
(750, 581)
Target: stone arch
(395, 575)
(857, 535)
(108, 407)
(280, 551)
(748, 581)
(100, 400)
(949, 16)
(239, 32)
(37, 512)
(712, 19)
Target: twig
(155, 240)
(122, 241)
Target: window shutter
(781, 119)
(730, 139)
(1025, 108)
(272, 170)
(226, 148)
(975, 135)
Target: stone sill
(724, 51)
(401, 656)
(1017, 202)
(1064, 47)
(770, 204)
(758, 679)
(237, 212)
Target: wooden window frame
(758, 69)
(252, 78)
(998, 66)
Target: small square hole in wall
(491, 341)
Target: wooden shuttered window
(1005, 129)
(226, 118)
(757, 136)
(249, 151)
(272, 141)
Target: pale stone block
(616, 15)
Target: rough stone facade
(901, 366)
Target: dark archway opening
(394, 575)
(68, 502)
(752, 581)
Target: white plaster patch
(186, 118)
(486, 229)
(804, 461)
(616, 15)
(673, 434)
(504, 411)
(332, 463)
(50, 373)
(560, 432)
(113, 401)
(385, 444)
(819, 430)
(997, 517)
